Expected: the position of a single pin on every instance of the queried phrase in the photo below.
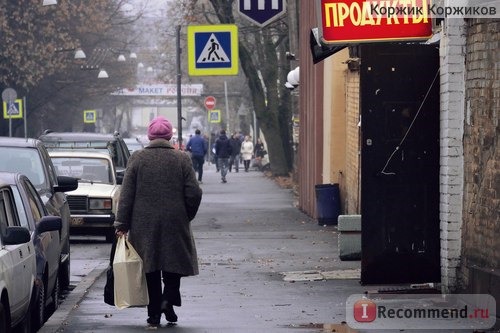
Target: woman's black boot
(169, 312)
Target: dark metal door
(400, 163)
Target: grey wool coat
(159, 197)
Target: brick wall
(452, 73)
(481, 220)
(352, 197)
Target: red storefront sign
(357, 21)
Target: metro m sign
(357, 21)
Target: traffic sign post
(9, 95)
(210, 102)
(262, 12)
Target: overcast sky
(150, 7)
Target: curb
(58, 319)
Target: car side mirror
(16, 235)
(66, 184)
(49, 223)
(119, 178)
(120, 174)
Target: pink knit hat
(160, 128)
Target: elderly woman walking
(159, 197)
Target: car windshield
(26, 161)
(90, 170)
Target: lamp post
(179, 93)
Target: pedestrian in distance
(223, 152)
(198, 148)
(159, 197)
(247, 152)
(235, 143)
(259, 153)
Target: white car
(19, 254)
(93, 205)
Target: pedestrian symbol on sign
(213, 52)
(12, 110)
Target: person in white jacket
(247, 152)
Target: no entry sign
(210, 102)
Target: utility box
(349, 237)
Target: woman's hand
(120, 233)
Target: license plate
(76, 220)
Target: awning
(319, 50)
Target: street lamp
(49, 2)
(102, 74)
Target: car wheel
(38, 314)
(65, 273)
(4, 322)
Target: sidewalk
(264, 267)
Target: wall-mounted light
(293, 79)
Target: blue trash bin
(328, 203)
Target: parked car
(93, 205)
(113, 144)
(133, 144)
(30, 157)
(25, 230)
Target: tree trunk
(264, 92)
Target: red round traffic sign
(210, 102)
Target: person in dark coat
(159, 197)
(198, 148)
(223, 151)
(235, 143)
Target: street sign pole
(9, 96)
(25, 118)
(10, 127)
(227, 107)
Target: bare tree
(37, 60)
(262, 59)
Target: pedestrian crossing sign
(89, 116)
(213, 50)
(214, 116)
(13, 110)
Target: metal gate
(400, 163)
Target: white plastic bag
(131, 289)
